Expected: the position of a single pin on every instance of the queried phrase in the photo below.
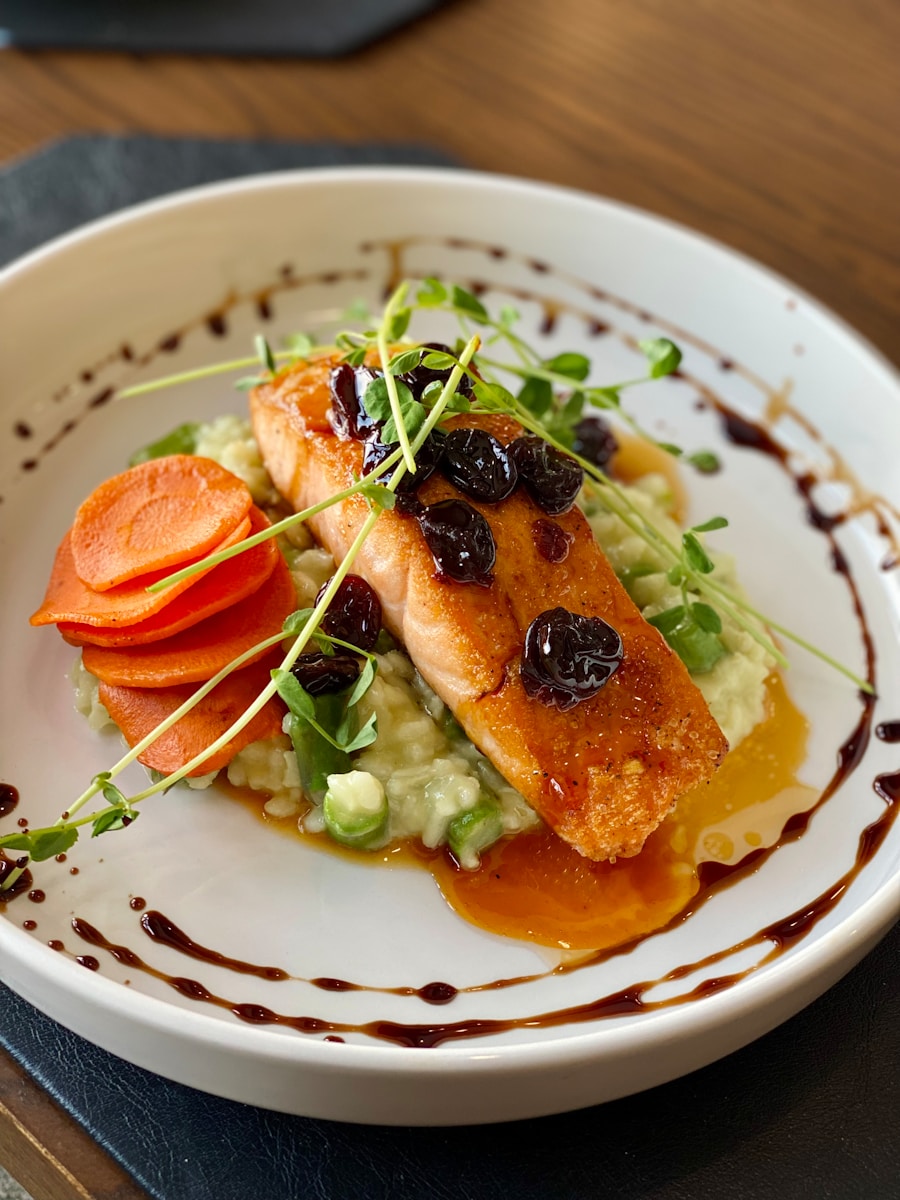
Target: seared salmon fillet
(602, 774)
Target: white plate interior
(208, 864)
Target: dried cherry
(568, 657)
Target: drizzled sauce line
(630, 1001)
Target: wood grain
(773, 127)
(51, 1156)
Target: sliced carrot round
(226, 584)
(138, 711)
(160, 514)
(68, 598)
(203, 650)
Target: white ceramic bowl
(82, 315)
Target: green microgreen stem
(600, 396)
(10, 879)
(213, 560)
(387, 321)
(287, 662)
(222, 368)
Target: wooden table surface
(774, 127)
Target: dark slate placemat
(811, 1110)
(81, 178)
(272, 28)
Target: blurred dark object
(83, 178)
(270, 28)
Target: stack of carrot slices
(152, 650)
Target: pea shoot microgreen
(551, 398)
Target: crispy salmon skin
(602, 774)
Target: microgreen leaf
(571, 365)
(182, 440)
(458, 403)
(378, 495)
(710, 525)
(706, 617)
(265, 355)
(296, 621)
(111, 820)
(249, 382)
(399, 324)
(16, 841)
(404, 360)
(470, 304)
(365, 681)
(671, 448)
(704, 461)
(431, 294)
(355, 357)
(493, 397)
(299, 343)
(695, 556)
(430, 392)
(377, 404)
(508, 316)
(365, 737)
(571, 411)
(662, 355)
(436, 360)
(536, 395)
(111, 794)
(357, 310)
(699, 648)
(295, 696)
(377, 400)
(50, 842)
(605, 397)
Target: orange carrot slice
(69, 599)
(226, 584)
(204, 649)
(160, 514)
(138, 711)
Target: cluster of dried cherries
(567, 657)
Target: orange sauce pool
(636, 457)
(535, 887)
(538, 888)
